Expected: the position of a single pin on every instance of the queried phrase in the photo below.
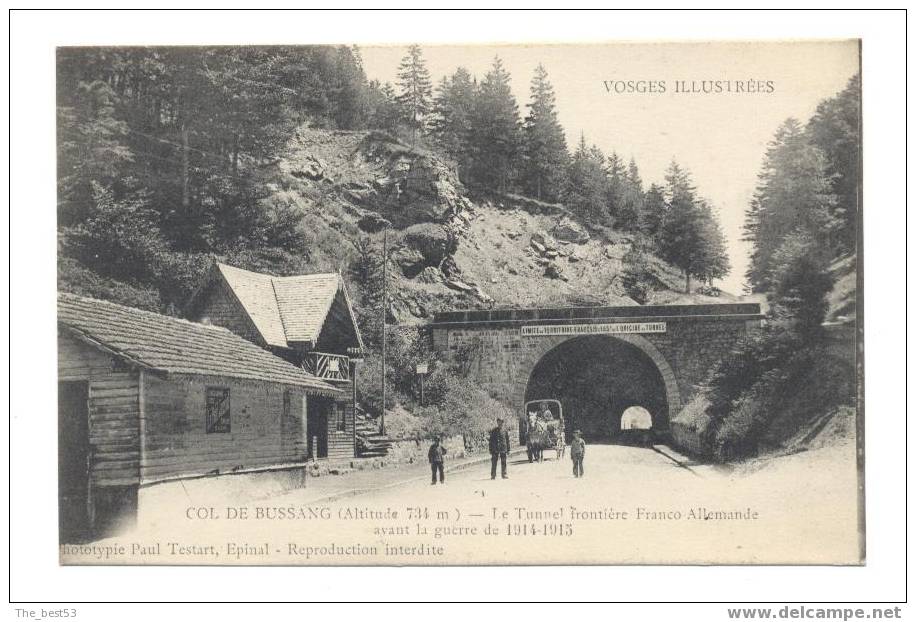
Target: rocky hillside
(448, 249)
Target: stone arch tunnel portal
(597, 378)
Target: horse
(538, 439)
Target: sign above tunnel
(616, 328)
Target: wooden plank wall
(114, 414)
(177, 442)
(340, 443)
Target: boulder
(457, 285)
(401, 166)
(430, 274)
(568, 230)
(537, 246)
(433, 241)
(544, 240)
(554, 271)
(312, 167)
(429, 186)
(416, 309)
(409, 260)
(359, 197)
(449, 267)
(482, 295)
(616, 251)
(382, 183)
(371, 222)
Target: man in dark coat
(499, 448)
(577, 452)
(437, 459)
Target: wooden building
(307, 320)
(146, 398)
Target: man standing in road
(437, 459)
(499, 448)
(577, 451)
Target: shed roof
(287, 309)
(175, 346)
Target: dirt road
(634, 505)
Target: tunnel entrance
(598, 378)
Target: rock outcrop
(567, 230)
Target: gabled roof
(174, 346)
(256, 294)
(286, 309)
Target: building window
(218, 413)
(287, 404)
(341, 417)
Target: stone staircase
(371, 443)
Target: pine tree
(793, 194)
(350, 99)
(713, 261)
(629, 197)
(616, 173)
(633, 175)
(834, 129)
(545, 154)
(382, 106)
(653, 211)
(586, 189)
(416, 90)
(91, 148)
(453, 108)
(495, 131)
(690, 237)
(677, 183)
(616, 176)
(800, 281)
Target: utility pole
(422, 369)
(384, 319)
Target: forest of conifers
(161, 153)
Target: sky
(721, 138)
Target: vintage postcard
(460, 305)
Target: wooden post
(305, 424)
(384, 318)
(141, 412)
(305, 435)
(353, 401)
(422, 369)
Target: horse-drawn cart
(541, 426)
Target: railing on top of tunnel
(744, 309)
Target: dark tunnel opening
(597, 378)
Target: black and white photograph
(420, 303)
(429, 303)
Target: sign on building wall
(594, 329)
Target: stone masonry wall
(502, 359)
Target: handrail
(327, 366)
